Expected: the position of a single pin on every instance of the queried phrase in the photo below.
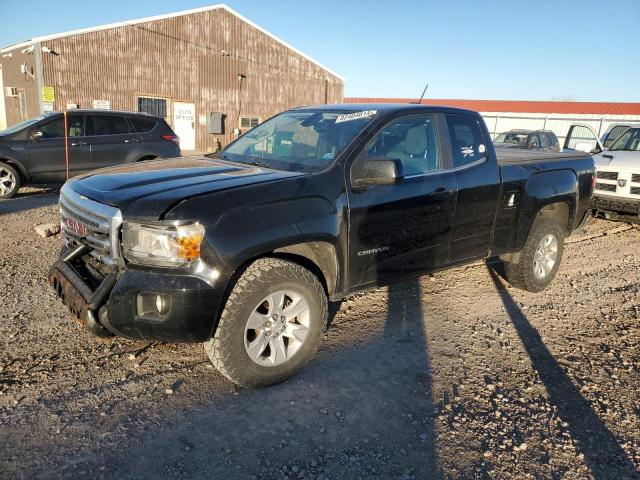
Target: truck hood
(621, 161)
(147, 190)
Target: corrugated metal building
(182, 66)
(504, 115)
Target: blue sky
(582, 50)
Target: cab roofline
(386, 107)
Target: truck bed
(508, 156)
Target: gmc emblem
(78, 229)
(622, 183)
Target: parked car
(617, 190)
(34, 151)
(531, 139)
(244, 251)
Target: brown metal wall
(12, 77)
(181, 58)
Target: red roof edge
(517, 106)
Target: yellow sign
(48, 94)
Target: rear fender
(544, 193)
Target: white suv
(617, 189)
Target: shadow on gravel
(602, 453)
(362, 412)
(29, 201)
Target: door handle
(127, 141)
(441, 193)
(76, 144)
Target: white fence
(499, 122)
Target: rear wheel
(10, 181)
(540, 258)
(271, 324)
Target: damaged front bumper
(123, 301)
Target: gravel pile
(451, 376)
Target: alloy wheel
(277, 328)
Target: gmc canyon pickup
(244, 251)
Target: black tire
(521, 273)
(12, 183)
(264, 277)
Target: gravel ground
(452, 376)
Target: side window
(109, 125)
(55, 128)
(412, 140)
(614, 134)
(534, 141)
(143, 125)
(546, 143)
(467, 142)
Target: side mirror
(37, 135)
(376, 171)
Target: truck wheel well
(558, 212)
(319, 257)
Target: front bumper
(626, 206)
(114, 306)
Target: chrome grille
(635, 178)
(607, 175)
(94, 224)
(606, 187)
(635, 190)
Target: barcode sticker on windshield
(355, 116)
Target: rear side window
(109, 125)
(143, 125)
(467, 142)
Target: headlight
(161, 245)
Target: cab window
(467, 141)
(411, 140)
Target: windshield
(299, 140)
(512, 138)
(629, 141)
(20, 126)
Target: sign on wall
(48, 94)
(47, 107)
(102, 104)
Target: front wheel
(540, 258)
(271, 324)
(9, 181)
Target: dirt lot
(455, 376)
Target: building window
(22, 102)
(153, 106)
(249, 122)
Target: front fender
(308, 227)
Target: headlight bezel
(169, 245)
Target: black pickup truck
(243, 251)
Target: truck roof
(387, 107)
